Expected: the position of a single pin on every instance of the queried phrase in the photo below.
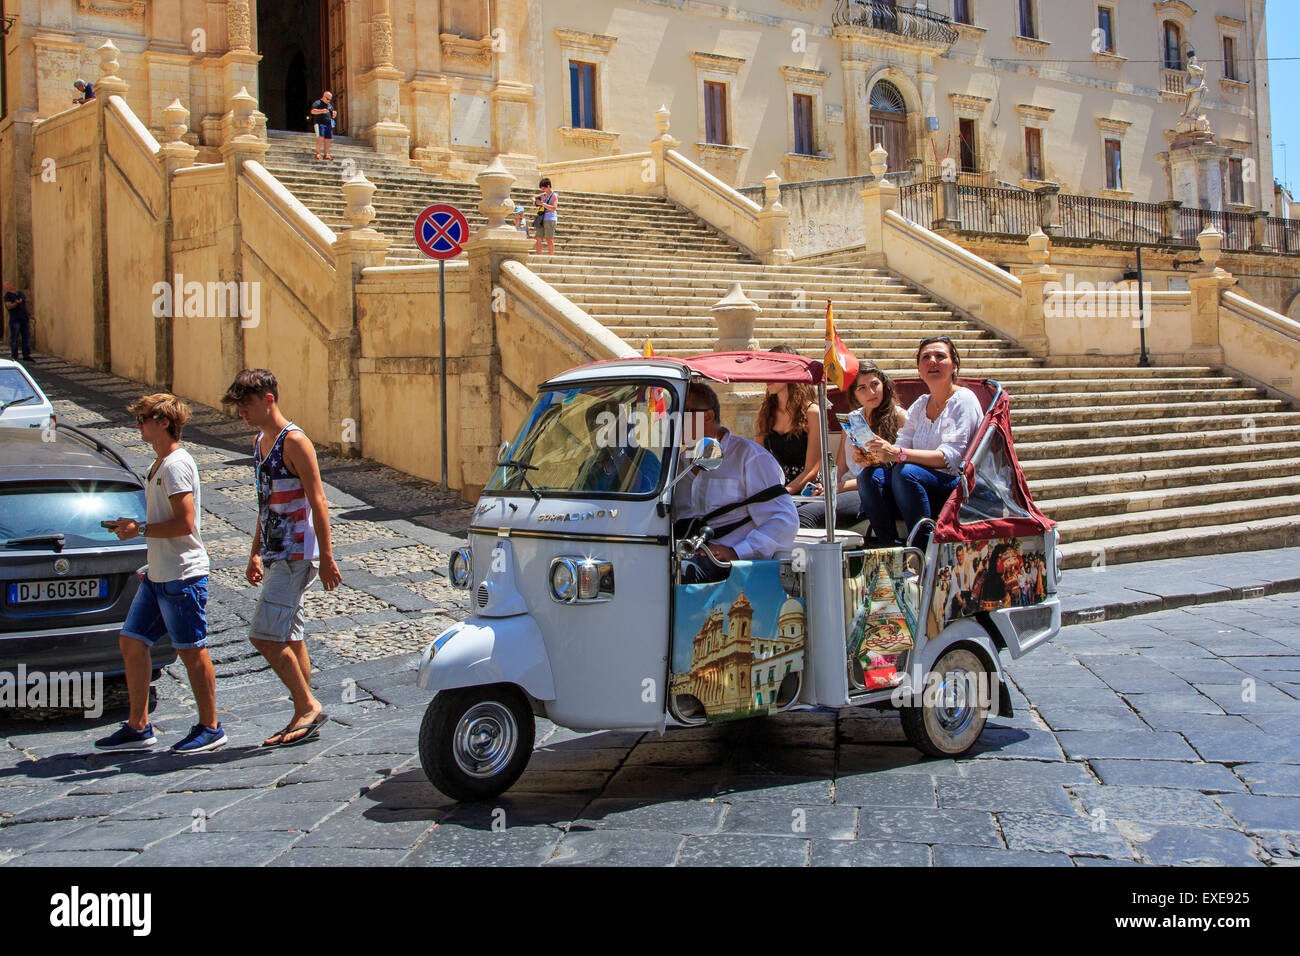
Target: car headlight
(460, 568)
(581, 580)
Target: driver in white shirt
(761, 521)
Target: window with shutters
(1034, 153)
(1114, 165)
(1230, 58)
(1028, 22)
(715, 113)
(1173, 46)
(961, 11)
(804, 129)
(1106, 24)
(582, 95)
(1236, 182)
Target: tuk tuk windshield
(609, 438)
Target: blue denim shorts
(175, 607)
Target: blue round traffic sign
(440, 231)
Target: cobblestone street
(1165, 738)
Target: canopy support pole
(828, 476)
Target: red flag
(841, 366)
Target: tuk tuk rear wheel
(476, 741)
(950, 724)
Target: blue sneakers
(199, 739)
(125, 738)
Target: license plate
(69, 589)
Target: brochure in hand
(856, 427)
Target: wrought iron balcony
(912, 23)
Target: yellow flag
(840, 365)
(649, 349)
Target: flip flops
(312, 732)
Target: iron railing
(884, 15)
(1005, 212)
(1283, 235)
(1091, 217)
(1235, 226)
(916, 203)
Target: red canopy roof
(729, 367)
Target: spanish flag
(649, 349)
(841, 366)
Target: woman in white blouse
(933, 441)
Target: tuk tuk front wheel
(476, 741)
(952, 715)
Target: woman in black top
(788, 426)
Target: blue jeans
(920, 492)
(877, 499)
(20, 334)
(178, 608)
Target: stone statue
(1192, 117)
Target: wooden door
(890, 129)
(334, 56)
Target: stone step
(1188, 396)
(1103, 472)
(1086, 415)
(1135, 503)
(1096, 527)
(1229, 469)
(1159, 435)
(1257, 534)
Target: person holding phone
(173, 595)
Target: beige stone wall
(199, 203)
(65, 253)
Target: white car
(22, 403)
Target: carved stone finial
(1211, 242)
(879, 161)
(239, 25)
(1040, 248)
(734, 315)
(357, 194)
(772, 189)
(109, 82)
(662, 117)
(176, 121)
(242, 106)
(495, 182)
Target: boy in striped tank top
(293, 531)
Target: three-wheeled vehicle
(580, 615)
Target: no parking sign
(440, 231)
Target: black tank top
(790, 450)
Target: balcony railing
(1174, 81)
(907, 22)
(1019, 212)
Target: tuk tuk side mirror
(707, 455)
(503, 453)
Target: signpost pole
(442, 358)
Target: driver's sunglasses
(141, 419)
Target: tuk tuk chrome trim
(661, 539)
(576, 565)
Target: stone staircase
(1134, 463)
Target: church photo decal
(738, 644)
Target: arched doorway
(889, 124)
(293, 39)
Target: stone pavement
(1165, 739)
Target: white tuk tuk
(579, 615)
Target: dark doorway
(290, 77)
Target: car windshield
(15, 389)
(72, 509)
(602, 439)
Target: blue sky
(1284, 81)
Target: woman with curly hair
(789, 426)
(874, 393)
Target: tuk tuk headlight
(581, 580)
(460, 568)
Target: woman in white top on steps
(933, 441)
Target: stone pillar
(774, 224)
(239, 67)
(734, 314)
(174, 153)
(1049, 209)
(857, 110)
(878, 197)
(1207, 287)
(1032, 334)
(238, 148)
(480, 361)
(947, 215)
(355, 249)
(1259, 231)
(1169, 220)
(389, 135)
(659, 146)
